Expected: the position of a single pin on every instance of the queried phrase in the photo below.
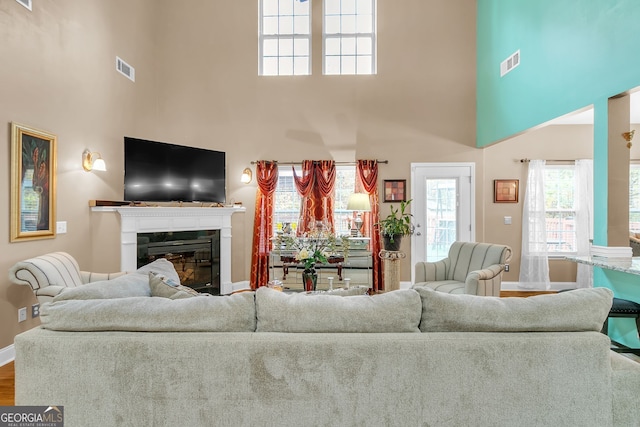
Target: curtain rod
(253, 162)
(546, 160)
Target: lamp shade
(359, 202)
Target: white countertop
(625, 265)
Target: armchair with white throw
(471, 268)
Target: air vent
(510, 63)
(125, 69)
(25, 3)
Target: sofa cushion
(234, 313)
(134, 284)
(162, 286)
(578, 310)
(397, 311)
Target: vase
(392, 245)
(309, 280)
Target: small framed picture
(395, 190)
(505, 191)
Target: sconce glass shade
(93, 161)
(246, 176)
(358, 202)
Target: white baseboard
(555, 286)
(7, 354)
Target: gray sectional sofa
(266, 358)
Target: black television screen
(161, 172)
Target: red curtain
(367, 182)
(316, 188)
(267, 179)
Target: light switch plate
(507, 220)
(61, 227)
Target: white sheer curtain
(534, 265)
(584, 218)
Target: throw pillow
(162, 286)
(397, 311)
(129, 285)
(134, 284)
(578, 310)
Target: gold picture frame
(33, 184)
(505, 191)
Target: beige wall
(58, 75)
(559, 142)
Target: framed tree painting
(33, 184)
(505, 191)
(395, 190)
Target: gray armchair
(471, 268)
(49, 274)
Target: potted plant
(394, 226)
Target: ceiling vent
(510, 63)
(125, 69)
(25, 3)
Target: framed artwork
(33, 184)
(505, 191)
(395, 190)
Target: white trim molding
(7, 354)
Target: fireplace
(141, 220)
(194, 254)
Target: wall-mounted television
(162, 172)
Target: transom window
(285, 37)
(559, 191)
(287, 201)
(349, 36)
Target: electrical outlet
(35, 310)
(506, 267)
(22, 314)
(61, 227)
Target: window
(287, 201)
(349, 36)
(559, 189)
(285, 38)
(634, 198)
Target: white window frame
(342, 36)
(560, 252)
(634, 196)
(341, 197)
(283, 37)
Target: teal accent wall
(573, 54)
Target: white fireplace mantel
(136, 220)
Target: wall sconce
(93, 161)
(628, 136)
(246, 176)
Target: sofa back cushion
(397, 311)
(234, 313)
(466, 257)
(578, 310)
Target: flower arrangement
(314, 247)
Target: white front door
(443, 200)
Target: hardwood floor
(7, 385)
